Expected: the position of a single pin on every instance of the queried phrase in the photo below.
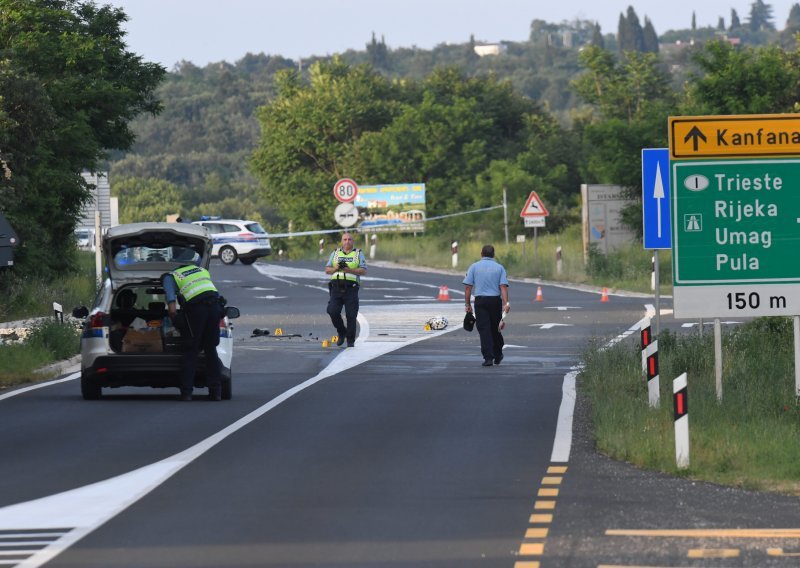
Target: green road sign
(736, 237)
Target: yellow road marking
(536, 533)
(541, 518)
(709, 533)
(552, 480)
(545, 492)
(544, 505)
(531, 548)
(557, 469)
(713, 553)
(534, 564)
(780, 552)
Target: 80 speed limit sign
(345, 190)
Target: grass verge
(748, 439)
(48, 341)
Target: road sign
(746, 135)
(346, 214)
(534, 207)
(534, 221)
(655, 198)
(736, 235)
(345, 190)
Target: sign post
(736, 217)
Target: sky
(207, 31)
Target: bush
(60, 340)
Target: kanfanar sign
(392, 207)
(735, 215)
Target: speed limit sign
(345, 190)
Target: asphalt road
(403, 451)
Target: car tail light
(96, 321)
(248, 236)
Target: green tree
(743, 81)
(735, 23)
(70, 90)
(760, 17)
(308, 132)
(649, 37)
(147, 199)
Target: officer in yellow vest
(345, 266)
(202, 310)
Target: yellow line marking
(552, 480)
(536, 533)
(544, 505)
(780, 552)
(526, 564)
(531, 548)
(713, 553)
(548, 492)
(709, 533)
(541, 518)
(557, 469)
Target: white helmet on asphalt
(438, 322)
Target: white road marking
(270, 297)
(550, 325)
(562, 308)
(84, 509)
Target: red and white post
(681, 407)
(454, 251)
(650, 364)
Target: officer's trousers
(344, 295)
(488, 312)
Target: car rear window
(255, 228)
(142, 254)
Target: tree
(597, 37)
(378, 53)
(147, 199)
(760, 17)
(70, 91)
(694, 21)
(649, 37)
(742, 81)
(735, 23)
(721, 24)
(631, 35)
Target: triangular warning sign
(534, 207)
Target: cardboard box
(144, 341)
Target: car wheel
(250, 260)
(90, 389)
(227, 389)
(227, 255)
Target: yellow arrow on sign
(734, 135)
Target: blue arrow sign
(655, 198)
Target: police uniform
(344, 292)
(200, 305)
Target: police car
(236, 239)
(127, 338)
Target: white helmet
(438, 322)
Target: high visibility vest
(353, 261)
(192, 281)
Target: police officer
(345, 266)
(488, 279)
(199, 327)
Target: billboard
(393, 207)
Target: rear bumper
(144, 370)
(256, 253)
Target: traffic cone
(444, 294)
(604, 297)
(539, 297)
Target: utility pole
(505, 213)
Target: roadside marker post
(650, 364)
(680, 405)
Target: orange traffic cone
(444, 294)
(604, 297)
(539, 297)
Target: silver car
(127, 338)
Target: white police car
(127, 338)
(236, 239)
